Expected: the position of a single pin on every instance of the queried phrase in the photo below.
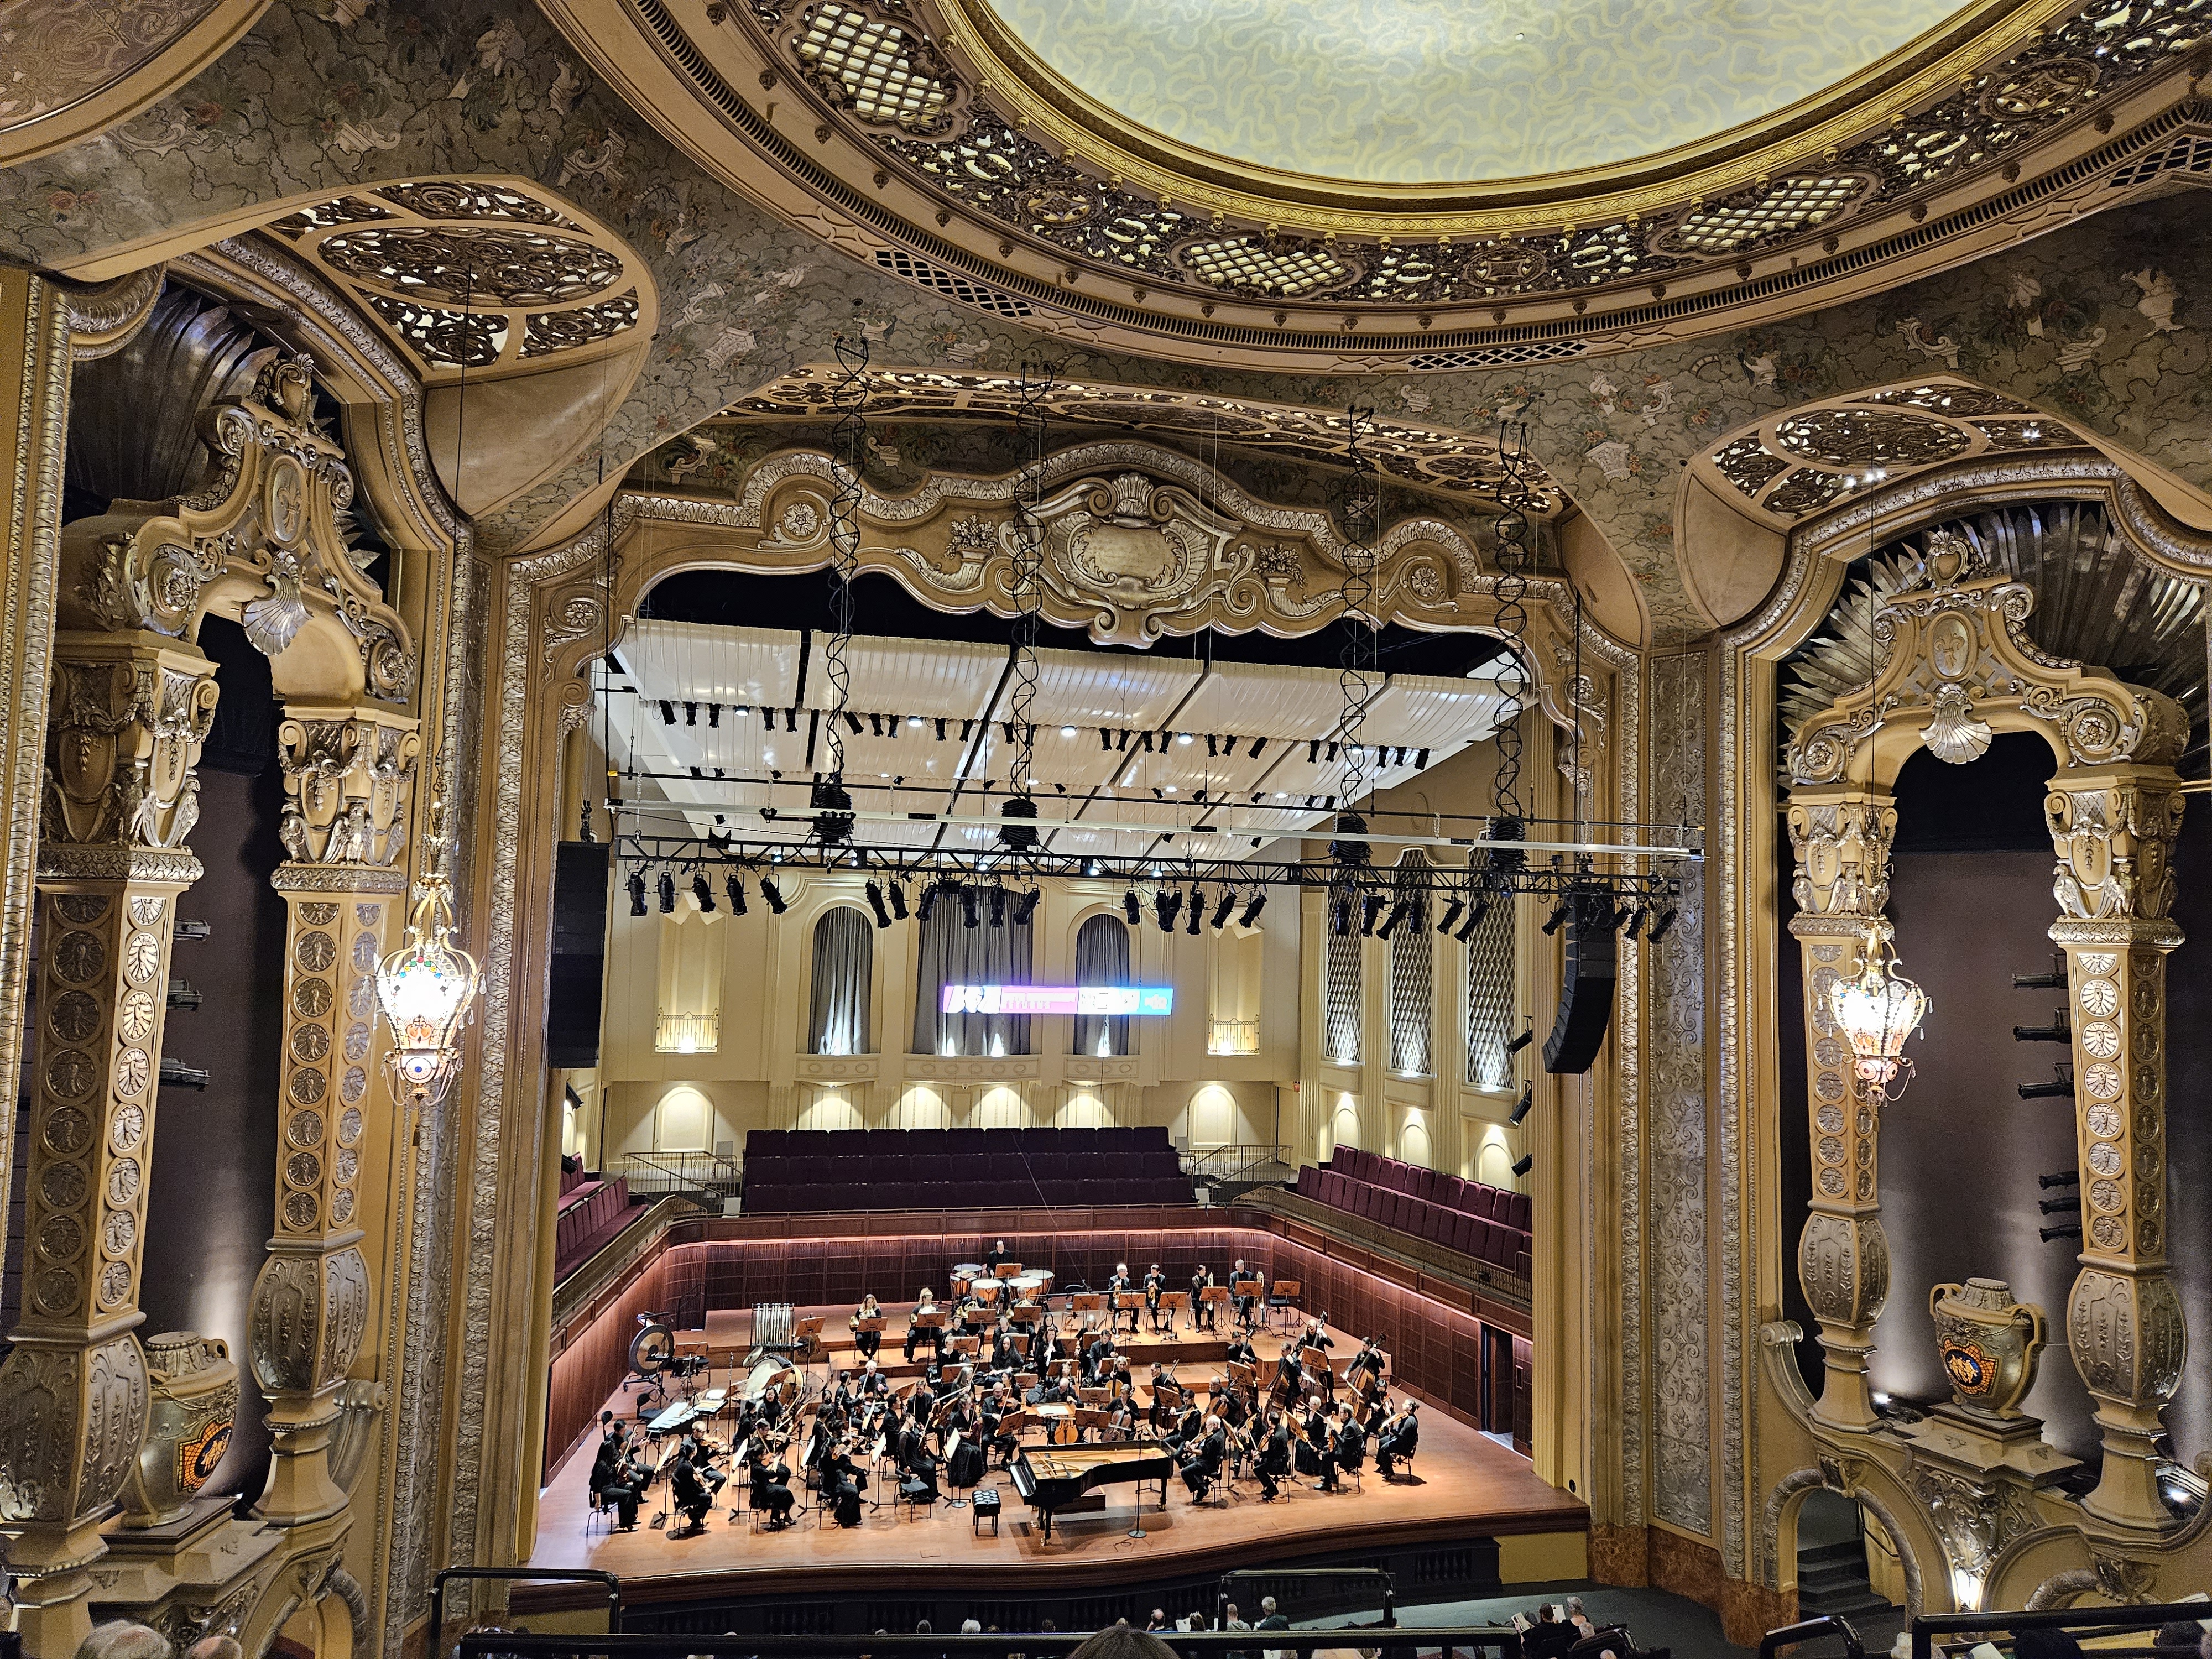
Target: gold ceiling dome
(1412, 183)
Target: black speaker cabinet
(1586, 990)
(579, 950)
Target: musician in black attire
(1120, 1282)
(771, 1484)
(1201, 1311)
(1003, 1356)
(991, 1435)
(873, 1383)
(615, 1480)
(1242, 1352)
(687, 1495)
(1097, 1357)
(703, 1452)
(993, 1256)
(1313, 1456)
(1274, 1461)
(1351, 1443)
(1399, 1438)
(1204, 1453)
(843, 1483)
(1155, 1282)
(1244, 1304)
(1317, 1341)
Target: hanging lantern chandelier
(428, 988)
(1876, 1012)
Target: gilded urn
(194, 1407)
(1990, 1343)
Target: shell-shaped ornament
(1955, 732)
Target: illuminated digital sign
(1094, 1000)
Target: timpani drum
(1032, 1286)
(963, 1275)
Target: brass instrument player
(1155, 1282)
(1202, 1310)
(1119, 1285)
(868, 1343)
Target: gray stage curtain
(953, 953)
(1101, 957)
(844, 960)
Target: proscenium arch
(1955, 667)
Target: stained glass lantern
(1876, 1012)
(428, 988)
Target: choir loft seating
(1487, 1223)
(591, 1212)
(811, 1172)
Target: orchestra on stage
(1008, 1374)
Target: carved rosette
(2113, 831)
(1842, 838)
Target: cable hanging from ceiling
(1025, 589)
(848, 442)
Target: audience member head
(120, 1638)
(2045, 1644)
(2180, 1636)
(975, 1626)
(1120, 1642)
(214, 1647)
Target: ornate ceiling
(1275, 180)
(1429, 92)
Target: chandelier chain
(1510, 592)
(1361, 654)
(849, 440)
(1024, 585)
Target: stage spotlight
(637, 892)
(1521, 1042)
(667, 894)
(1558, 916)
(1473, 921)
(1528, 1163)
(690, 713)
(876, 903)
(1025, 907)
(1221, 910)
(1453, 912)
(776, 900)
(1637, 918)
(668, 711)
(1659, 927)
(928, 903)
(1253, 906)
(1133, 906)
(898, 891)
(1167, 905)
(702, 894)
(1520, 1107)
(1197, 909)
(1340, 914)
(998, 907)
(970, 915)
(1371, 912)
(736, 889)
(1391, 923)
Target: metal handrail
(1929, 1626)
(607, 1580)
(702, 1172)
(1233, 1162)
(1502, 1640)
(1827, 1623)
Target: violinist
(617, 1478)
(1202, 1310)
(1166, 1393)
(990, 1432)
(770, 1477)
(1241, 1351)
(1313, 1450)
(1155, 1282)
(868, 1344)
(841, 1482)
(1202, 1452)
(703, 1452)
(1350, 1441)
(913, 1456)
(1400, 1438)
(690, 1496)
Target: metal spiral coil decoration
(1361, 654)
(1511, 591)
(847, 439)
(1026, 588)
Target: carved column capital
(129, 714)
(1841, 834)
(347, 775)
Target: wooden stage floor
(1462, 1484)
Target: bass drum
(773, 1377)
(652, 1350)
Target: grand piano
(1051, 1478)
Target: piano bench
(915, 1495)
(986, 1505)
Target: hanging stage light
(1221, 910)
(1371, 912)
(1528, 1163)
(776, 900)
(1521, 1106)
(998, 907)
(1473, 921)
(637, 892)
(1453, 912)
(1253, 906)
(1399, 912)
(1167, 905)
(1133, 906)
(736, 888)
(1659, 927)
(970, 916)
(667, 894)
(702, 894)
(1637, 918)
(1340, 914)
(1197, 909)
(928, 903)
(1025, 906)
(1558, 917)
(1526, 1036)
(876, 903)
(898, 891)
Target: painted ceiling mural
(1407, 92)
(2100, 324)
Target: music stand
(1284, 1297)
(1009, 1270)
(1214, 1295)
(1084, 1302)
(1173, 1302)
(1024, 1313)
(965, 1346)
(1088, 1417)
(951, 1463)
(1127, 1302)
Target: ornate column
(2113, 829)
(129, 712)
(348, 773)
(1841, 834)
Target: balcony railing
(706, 1178)
(1232, 1037)
(688, 1033)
